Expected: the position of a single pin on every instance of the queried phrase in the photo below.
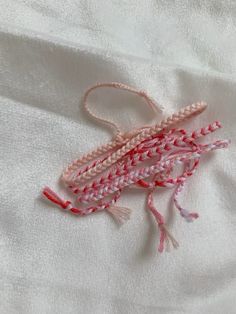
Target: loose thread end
(189, 217)
(120, 214)
(55, 198)
(166, 236)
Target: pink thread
(144, 158)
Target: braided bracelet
(144, 158)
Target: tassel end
(189, 217)
(166, 236)
(120, 214)
(54, 198)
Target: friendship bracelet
(143, 158)
(119, 137)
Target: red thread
(53, 197)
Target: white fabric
(50, 52)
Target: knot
(142, 93)
(189, 217)
(67, 205)
(76, 211)
(120, 138)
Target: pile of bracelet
(146, 158)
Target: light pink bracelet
(144, 158)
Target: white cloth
(50, 52)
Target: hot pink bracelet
(145, 158)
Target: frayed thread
(120, 214)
